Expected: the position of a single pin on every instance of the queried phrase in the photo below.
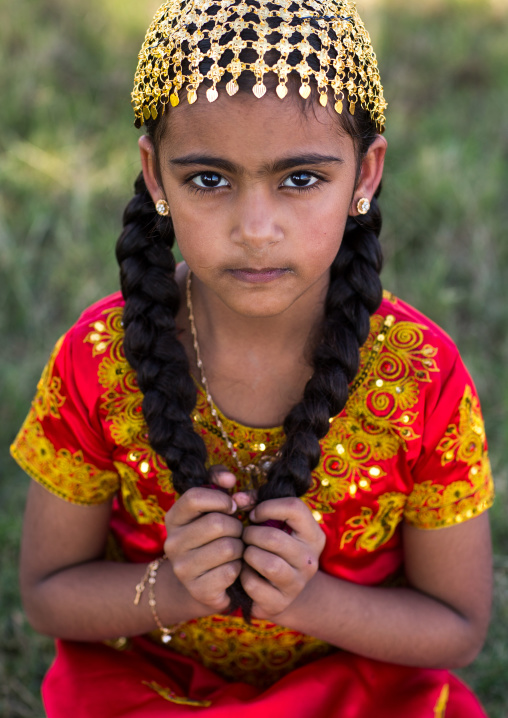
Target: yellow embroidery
(354, 443)
(144, 510)
(440, 709)
(372, 531)
(63, 473)
(466, 441)
(48, 399)
(249, 442)
(432, 505)
(260, 653)
(171, 696)
(378, 420)
(107, 333)
(377, 423)
(122, 400)
(122, 403)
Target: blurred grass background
(68, 160)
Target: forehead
(245, 126)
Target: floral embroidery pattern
(432, 505)
(259, 654)
(122, 404)
(122, 399)
(62, 472)
(249, 443)
(145, 511)
(466, 441)
(372, 530)
(378, 420)
(48, 399)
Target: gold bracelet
(150, 577)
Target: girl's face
(259, 194)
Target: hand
(204, 544)
(277, 565)
(224, 479)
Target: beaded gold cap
(191, 42)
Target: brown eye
(300, 179)
(209, 180)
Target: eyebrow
(281, 165)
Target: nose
(256, 223)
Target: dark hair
(154, 351)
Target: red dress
(409, 446)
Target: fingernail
(235, 507)
(252, 515)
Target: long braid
(152, 348)
(354, 294)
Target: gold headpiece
(194, 41)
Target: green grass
(69, 158)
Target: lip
(258, 276)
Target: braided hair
(152, 348)
(151, 345)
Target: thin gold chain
(255, 471)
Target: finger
(273, 540)
(298, 554)
(200, 561)
(270, 566)
(291, 511)
(221, 476)
(245, 500)
(201, 532)
(219, 552)
(197, 501)
(260, 590)
(211, 587)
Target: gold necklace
(256, 472)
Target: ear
(149, 167)
(371, 172)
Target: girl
(344, 563)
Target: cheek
(194, 235)
(322, 235)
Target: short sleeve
(452, 477)
(61, 444)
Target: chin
(258, 309)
